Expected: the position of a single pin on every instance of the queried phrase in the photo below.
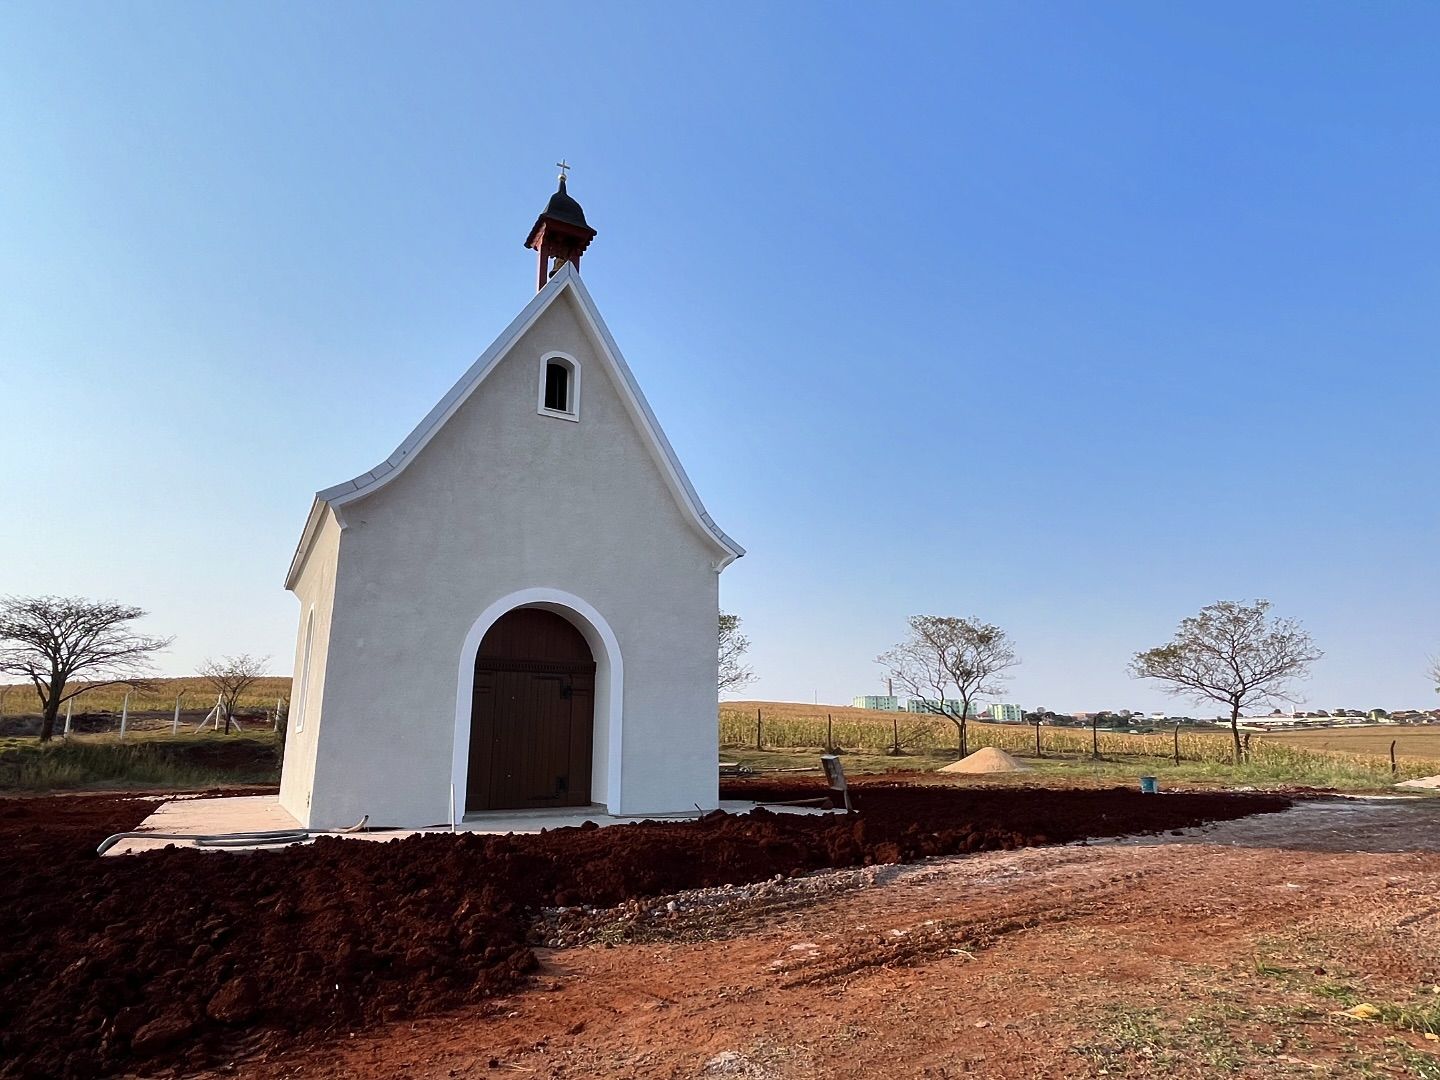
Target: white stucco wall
(315, 588)
(500, 500)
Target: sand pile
(988, 760)
(1425, 783)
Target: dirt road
(1229, 950)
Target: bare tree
(66, 645)
(734, 673)
(944, 652)
(231, 676)
(1234, 654)
(1434, 672)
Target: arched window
(305, 673)
(559, 386)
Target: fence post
(68, 706)
(1038, 751)
(1177, 742)
(895, 723)
(1394, 769)
(829, 733)
(124, 714)
(1094, 736)
(175, 720)
(757, 730)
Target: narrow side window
(559, 394)
(304, 673)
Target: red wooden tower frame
(560, 234)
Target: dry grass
(1203, 754)
(791, 724)
(159, 696)
(1413, 741)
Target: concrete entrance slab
(194, 817)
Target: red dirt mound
(175, 955)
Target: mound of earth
(173, 958)
(988, 760)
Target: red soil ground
(1231, 950)
(180, 957)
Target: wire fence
(922, 734)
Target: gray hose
(241, 839)
(268, 838)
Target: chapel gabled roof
(567, 278)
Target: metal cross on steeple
(563, 166)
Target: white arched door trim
(609, 689)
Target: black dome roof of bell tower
(562, 207)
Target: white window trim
(573, 413)
(305, 661)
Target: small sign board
(835, 778)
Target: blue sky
(1075, 317)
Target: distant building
(950, 706)
(883, 702)
(1006, 714)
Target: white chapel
(517, 608)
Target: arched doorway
(532, 714)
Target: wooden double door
(532, 715)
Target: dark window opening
(557, 387)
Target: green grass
(142, 760)
(1251, 1037)
(1302, 769)
(1205, 755)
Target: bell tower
(560, 234)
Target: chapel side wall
(315, 588)
(501, 500)
(671, 749)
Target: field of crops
(158, 695)
(785, 725)
(1418, 741)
